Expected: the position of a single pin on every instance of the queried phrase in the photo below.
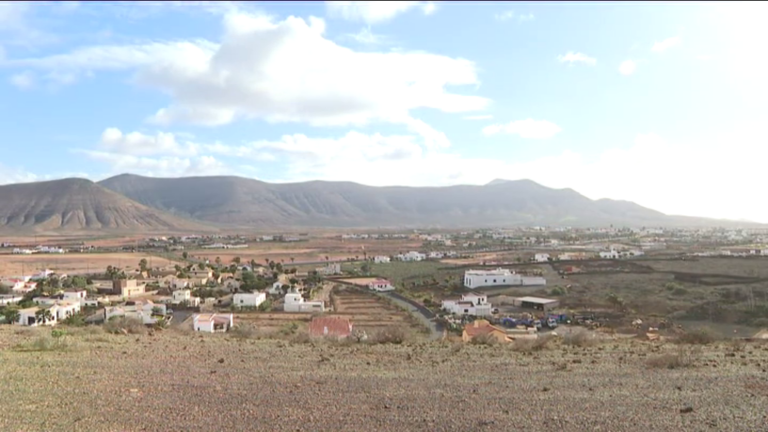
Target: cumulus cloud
(372, 12)
(281, 71)
(166, 166)
(576, 57)
(627, 67)
(479, 117)
(666, 44)
(138, 144)
(529, 129)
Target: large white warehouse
(499, 277)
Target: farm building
(499, 277)
(541, 257)
(469, 304)
(381, 285)
(294, 302)
(482, 328)
(248, 299)
(333, 327)
(213, 323)
(381, 259)
(537, 303)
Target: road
(419, 311)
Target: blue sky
(661, 104)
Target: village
(504, 285)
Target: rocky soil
(170, 381)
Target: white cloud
(138, 144)
(23, 81)
(479, 117)
(12, 14)
(574, 57)
(9, 175)
(528, 129)
(367, 37)
(627, 67)
(666, 44)
(372, 12)
(159, 166)
(283, 72)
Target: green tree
(11, 314)
(201, 266)
(184, 255)
(78, 281)
(292, 260)
(236, 260)
(279, 267)
(293, 281)
(366, 267)
(249, 278)
(143, 265)
(271, 265)
(218, 262)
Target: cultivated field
(12, 265)
(371, 313)
(313, 250)
(92, 381)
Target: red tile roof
(330, 326)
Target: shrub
(681, 358)
(243, 331)
(580, 338)
(76, 320)
(265, 306)
(697, 337)
(390, 336)
(289, 329)
(679, 291)
(123, 325)
(46, 343)
(557, 291)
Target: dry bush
(737, 345)
(124, 326)
(580, 338)
(301, 338)
(46, 343)
(389, 336)
(683, 357)
(484, 339)
(243, 331)
(698, 337)
(530, 345)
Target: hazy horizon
(658, 104)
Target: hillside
(78, 204)
(237, 201)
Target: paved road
(419, 311)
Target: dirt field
(361, 281)
(329, 387)
(369, 312)
(11, 265)
(63, 241)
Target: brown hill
(237, 201)
(79, 204)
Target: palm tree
(292, 259)
(218, 261)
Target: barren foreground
(170, 381)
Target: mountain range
(129, 202)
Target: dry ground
(172, 381)
(11, 265)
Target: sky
(663, 104)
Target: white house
(42, 274)
(381, 285)
(59, 310)
(541, 257)
(250, 300)
(381, 259)
(764, 252)
(412, 256)
(144, 311)
(329, 269)
(469, 304)
(8, 299)
(213, 323)
(294, 302)
(611, 254)
(499, 277)
(185, 296)
(276, 288)
(75, 295)
(435, 255)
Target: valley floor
(87, 380)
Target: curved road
(419, 311)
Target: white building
(611, 254)
(381, 285)
(145, 311)
(499, 277)
(250, 300)
(435, 255)
(381, 259)
(469, 304)
(412, 256)
(59, 310)
(294, 302)
(329, 269)
(75, 295)
(185, 296)
(9, 299)
(541, 257)
(213, 323)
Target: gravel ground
(173, 381)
